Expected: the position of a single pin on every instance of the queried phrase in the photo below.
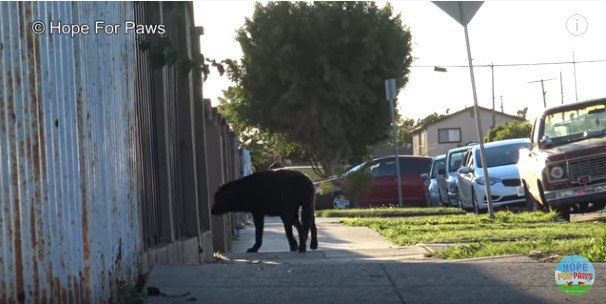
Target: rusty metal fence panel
(69, 217)
(102, 157)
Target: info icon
(575, 275)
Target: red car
(382, 189)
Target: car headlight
(491, 180)
(557, 172)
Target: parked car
(382, 189)
(503, 176)
(454, 158)
(435, 197)
(565, 169)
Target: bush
(355, 183)
(510, 130)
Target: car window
(384, 168)
(455, 160)
(414, 166)
(436, 166)
(502, 155)
(577, 121)
(356, 168)
(469, 159)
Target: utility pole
(543, 89)
(502, 111)
(574, 66)
(561, 88)
(494, 119)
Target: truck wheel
(532, 204)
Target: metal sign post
(390, 93)
(463, 12)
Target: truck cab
(565, 170)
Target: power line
(509, 64)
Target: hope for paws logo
(575, 275)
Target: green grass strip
(388, 212)
(592, 248)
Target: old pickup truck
(566, 168)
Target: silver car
(432, 187)
(454, 158)
(504, 178)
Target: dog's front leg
(258, 220)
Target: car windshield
(437, 165)
(584, 122)
(502, 155)
(454, 161)
(355, 168)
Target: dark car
(382, 189)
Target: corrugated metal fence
(102, 158)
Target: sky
(501, 33)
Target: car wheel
(532, 204)
(474, 202)
(341, 202)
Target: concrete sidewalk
(336, 243)
(356, 265)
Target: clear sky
(502, 32)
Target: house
(455, 130)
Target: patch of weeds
(539, 235)
(129, 294)
(596, 248)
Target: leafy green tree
(263, 145)
(403, 133)
(512, 129)
(315, 72)
(430, 119)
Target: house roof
(424, 126)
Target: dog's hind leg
(288, 222)
(297, 224)
(313, 244)
(259, 221)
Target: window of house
(449, 135)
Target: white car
(504, 178)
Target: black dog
(275, 193)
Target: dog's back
(276, 192)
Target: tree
(405, 125)
(512, 129)
(263, 145)
(430, 118)
(522, 113)
(315, 72)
